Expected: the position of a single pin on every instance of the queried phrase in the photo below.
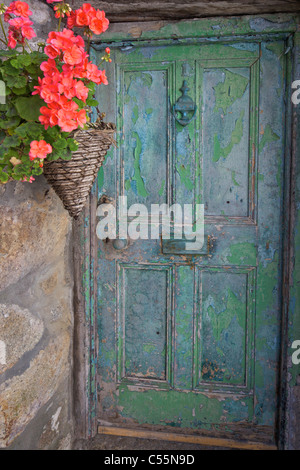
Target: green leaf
(20, 169)
(11, 141)
(52, 133)
(21, 61)
(53, 156)
(38, 57)
(37, 171)
(33, 70)
(9, 53)
(3, 176)
(17, 81)
(30, 130)
(13, 122)
(80, 103)
(72, 145)
(8, 68)
(11, 110)
(20, 91)
(29, 108)
(60, 144)
(66, 156)
(91, 86)
(92, 102)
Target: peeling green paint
(148, 347)
(276, 48)
(127, 184)
(221, 321)
(184, 173)
(135, 113)
(137, 172)
(268, 137)
(213, 27)
(133, 76)
(152, 407)
(234, 179)
(236, 137)
(242, 252)
(233, 88)
(265, 288)
(100, 176)
(162, 188)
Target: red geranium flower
(99, 23)
(39, 149)
(18, 9)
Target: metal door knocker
(185, 106)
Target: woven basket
(72, 179)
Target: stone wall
(36, 318)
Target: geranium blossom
(65, 84)
(74, 55)
(95, 75)
(90, 18)
(23, 25)
(99, 23)
(18, 9)
(19, 27)
(58, 89)
(12, 42)
(81, 91)
(81, 118)
(61, 10)
(49, 67)
(39, 149)
(30, 180)
(82, 16)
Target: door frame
(85, 352)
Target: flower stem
(27, 44)
(59, 21)
(3, 30)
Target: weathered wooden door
(192, 342)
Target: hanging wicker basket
(73, 179)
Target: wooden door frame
(84, 230)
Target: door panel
(193, 341)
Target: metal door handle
(120, 244)
(185, 106)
